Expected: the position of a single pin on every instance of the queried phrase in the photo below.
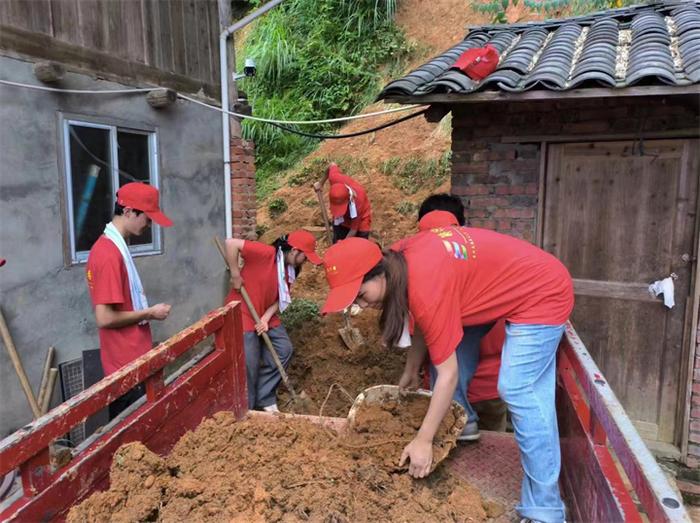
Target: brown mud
(280, 469)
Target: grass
(276, 207)
(301, 311)
(414, 173)
(316, 59)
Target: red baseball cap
(306, 243)
(435, 219)
(346, 264)
(339, 197)
(143, 197)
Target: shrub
(416, 173)
(276, 207)
(315, 59)
(406, 208)
(300, 312)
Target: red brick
(514, 213)
(531, 188)
(696, 388)
(695, 426)
(487, 201)
(470, 190)
(695, 413)
(693, 462)
(504, 225)
(694, 437)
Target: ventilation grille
(72, 383)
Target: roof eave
(502, 96)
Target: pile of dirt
(274, 469)
(383, 428)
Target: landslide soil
(276, 468)
(321, 359)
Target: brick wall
(498, 180)
(243, 204)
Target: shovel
(300, 402)
(351, 336)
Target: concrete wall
(47, 303)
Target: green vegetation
(300, 312)
(406, 208)
(550, 8)
(414, 172)
(276, 207)
(316, 59)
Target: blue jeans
(261, 373)
(526, 383)
(467, 362)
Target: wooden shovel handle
(321, 203)
(19, 369)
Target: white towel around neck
(284, 297)
(138, 296)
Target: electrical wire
(299, 122)
(78, 91)
(349, 135)
(210, 106)
(99, 160)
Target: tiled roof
(650, 44)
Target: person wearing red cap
(477, 391)
(455, 277)
(121, 309)
(350, 209)
(268, 272)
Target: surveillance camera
(249, 68)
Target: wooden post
(48, 393)
(159, 98)
(19, 369)
(49, 72)
(45, 376)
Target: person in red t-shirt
(114, 285)
(268, 272)
(455, 277)
(350, 209)
(482, 402)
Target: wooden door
(621, 215)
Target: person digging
(350, 208)
(268, 272)
(448, 279)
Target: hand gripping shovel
(351, 336)
(299, 402)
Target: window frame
(114, 126)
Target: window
(99, 159)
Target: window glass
(134, 165)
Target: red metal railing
(597, 439)
(215, 383)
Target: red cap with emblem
(346, 264)
(143, 197)
(305, 242)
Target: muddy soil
(286, 470)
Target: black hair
(443, 202)
(395, 304)
(282, 243)
(119, 210)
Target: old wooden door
(621, 215)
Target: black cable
(348, 135)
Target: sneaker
(528, 520)
(271, 408)
(470, 432)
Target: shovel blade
(352, 338)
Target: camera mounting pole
(226, 64)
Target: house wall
(46, 302)
(173, 43)
(498, 178)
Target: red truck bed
(607, 472)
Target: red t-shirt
(363, 222)
(259, 275)
(484, 384)
(460, 276)
(108, 283)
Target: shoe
(528, 520)
(271, 408)
(470, 432)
